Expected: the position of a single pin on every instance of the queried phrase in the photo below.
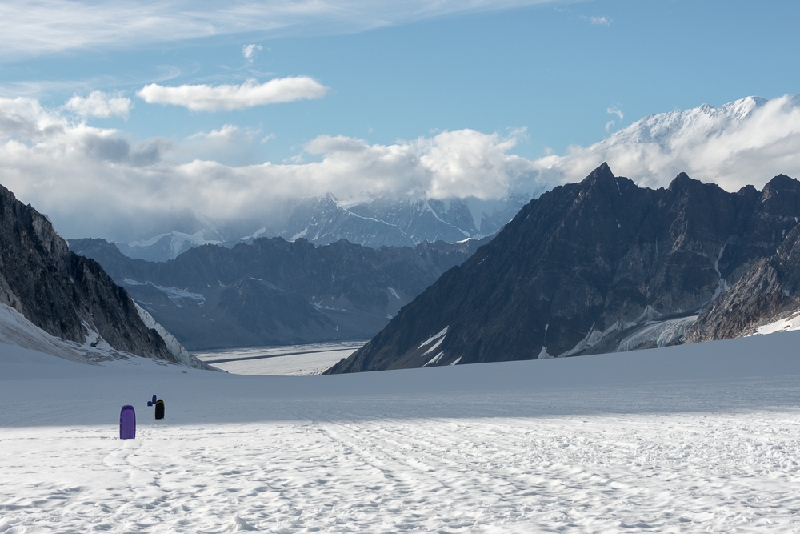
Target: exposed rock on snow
(15, 329)
(765, 299)
(66, 295)
(59, 303)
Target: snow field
(642, 473)
(310, 359)
(686, 439)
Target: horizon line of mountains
(381, 222)
(597, 266)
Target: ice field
(696, 438)
(311, 359)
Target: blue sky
(544, 74)
(554, 68)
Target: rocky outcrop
(584, 266)
(768, 292)
(274, 292)
(68, 296)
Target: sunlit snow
(692, 438)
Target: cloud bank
(744, 142)
(228, 97)
(93, 182)
(42, 26)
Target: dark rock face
(769, 291)
(63, 293)
(273, 292)
(583, 266)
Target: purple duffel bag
(127, 423)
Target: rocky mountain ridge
(66, 295)
(596, 266)
(767, 293)
(275, 292)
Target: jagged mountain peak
(603, 171)
(781, 183)
(683, 182)
(580, 270)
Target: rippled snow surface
(687, 439)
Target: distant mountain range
(604, 265)
(275, 292)
(381, 222)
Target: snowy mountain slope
(63, 304)
(731, 145)
(17, 331)
(381, 222)
(391, 221)
(693, 438)
(66, 295)
(164, 246)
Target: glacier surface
(692, 438)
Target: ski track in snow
(674, 472)
(684, 439)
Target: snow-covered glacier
(702, 437)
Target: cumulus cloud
(93, 182)
(250, 51)
(99, 104)
(228, 97)
(87, 179)
(229, 144)
(42, 26)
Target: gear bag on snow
(127, 423)
(160, 409)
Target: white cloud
(250, 51)
(99, 104)
(613, 110)
(227, 132)
(41, 26)
(744, 142)
(227, 97)
(96, 182)
(601, 21)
